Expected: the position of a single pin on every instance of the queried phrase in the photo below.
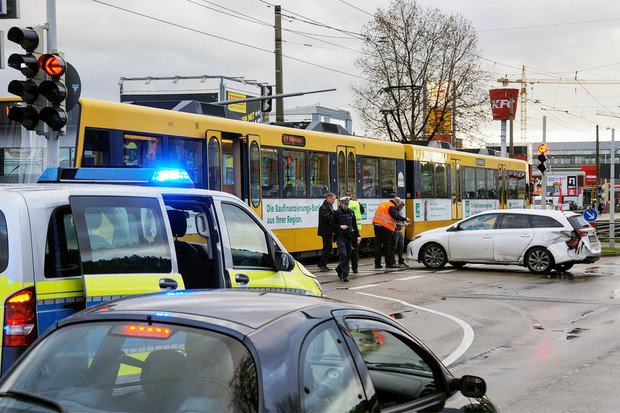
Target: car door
(472, 239)
(124, 246)
(249, 250)
(403, 374)
(513, 234)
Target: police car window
(62, 255)
(328, 381)
(121, 235)
(248, 240)
(4, 243)
(397, 367)
(117, 366)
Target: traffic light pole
(543, 194)
(52, 146)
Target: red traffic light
(53, 65)
(542, 148)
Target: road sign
(590, 215)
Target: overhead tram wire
(241, 16)
(227, 40)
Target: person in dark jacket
(326, 211)
(344, 225)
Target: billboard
(500, 102)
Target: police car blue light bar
(172, 177)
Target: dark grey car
(245, 351)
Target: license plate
(592, 238)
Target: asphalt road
(543, 343)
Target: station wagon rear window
(121, 235)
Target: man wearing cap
(344, 226)
(358, 210)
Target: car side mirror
(284, 261)
(454, 228)
(470, 386)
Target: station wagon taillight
(20, 319)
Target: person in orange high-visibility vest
(384, 224)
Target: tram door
(456, 189)
(346, 170)
(214, 160)
(254, 168)
(503, 186)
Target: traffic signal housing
(31, 40)
(54, 90)
(44, 82)
(266, 104)
(542, 148)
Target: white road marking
(468, 332)
(361, 287)
(409, 278)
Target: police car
(66, 244)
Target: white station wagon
(541, 240)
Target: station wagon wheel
(539, 261)
(433, 256)
(563, 267)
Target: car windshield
(133, 367)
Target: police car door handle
(242, 279)
(168, 284)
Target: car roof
(545, 212)
(250, 308)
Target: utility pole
(612, 191)
(279, 86)
(598, 170)
(512, 116)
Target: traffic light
(266, 104)
(44, 82)
(54, 90)
(542, 148)
(31, 40)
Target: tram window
(521, 184)
(141, 150)
(428, 179)
(269, 173)
(370, 177)
(388, 178)
(481, 181)
(214, 164)
(492, 184)
(512, 185)
(441, 181)
(469, 183)
(342, 174)
(351, 173)
(294, 168)
(187, 154)
(96, 147)
(254, 174)
(319, 174)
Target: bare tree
(408, 48)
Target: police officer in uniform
(358, 210)
(345, 230)
(326, 210)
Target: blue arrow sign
(590, 215)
